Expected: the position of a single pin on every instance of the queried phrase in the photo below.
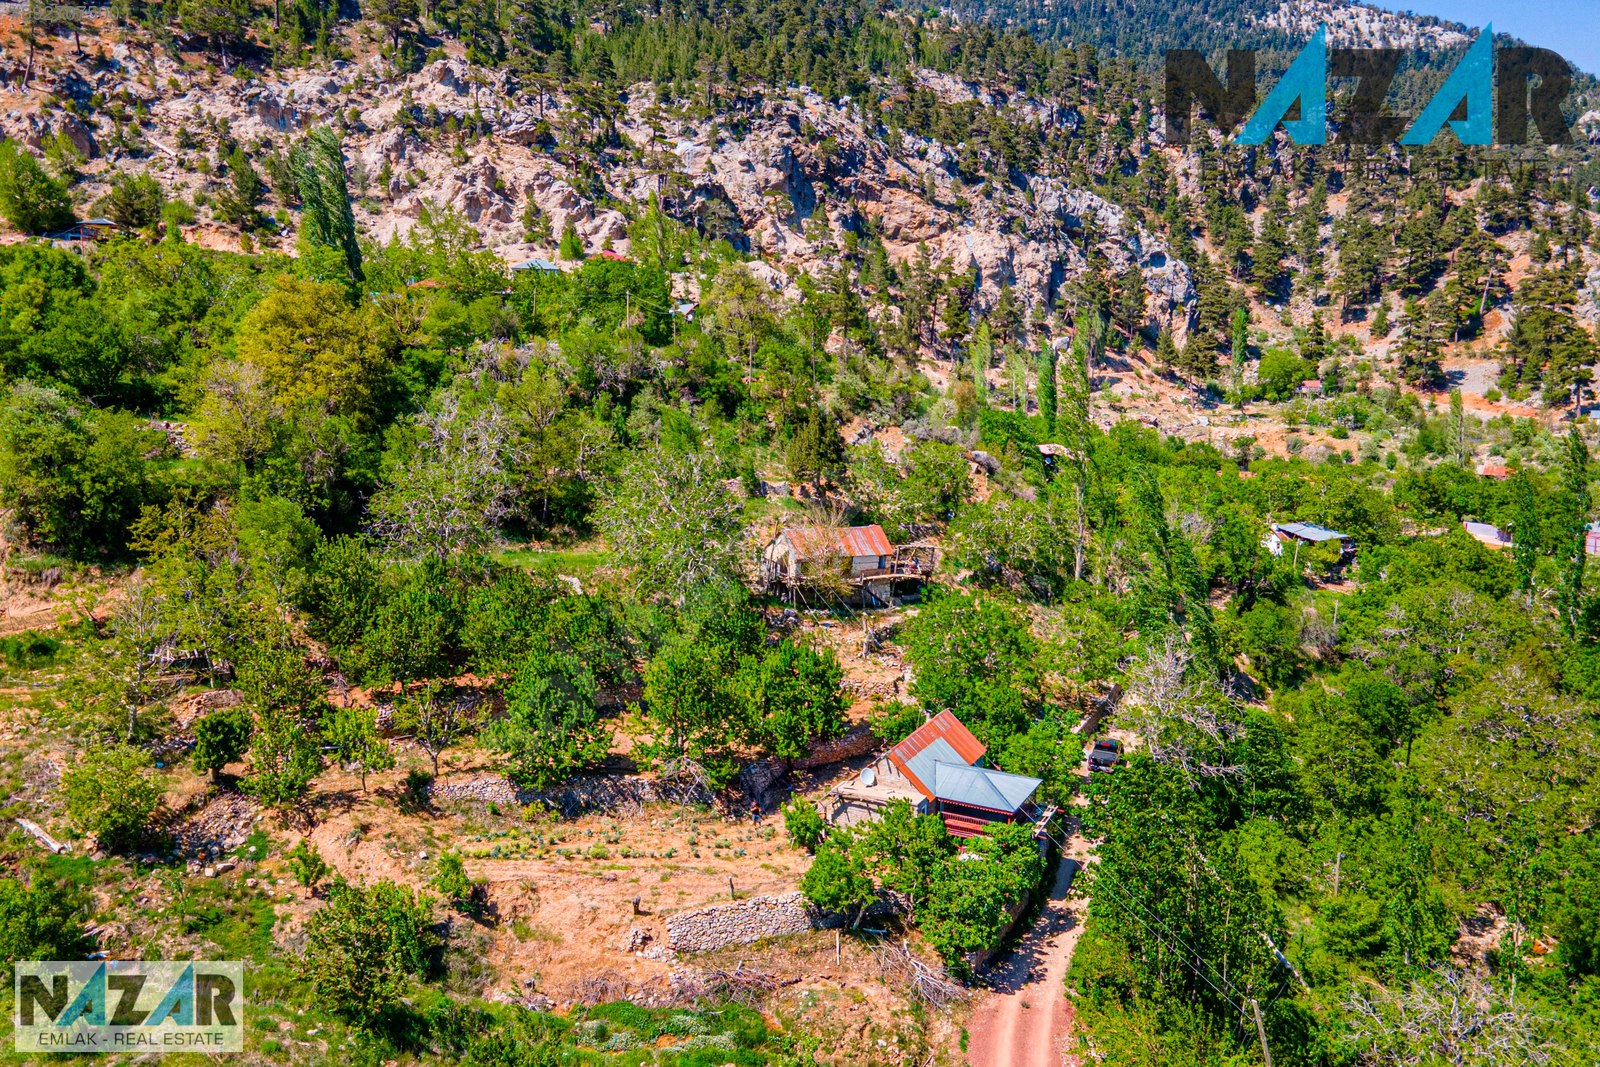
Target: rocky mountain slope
(791, 174)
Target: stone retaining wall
(858, 742)
(742, 922)
(606, 793)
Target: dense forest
(402, 466)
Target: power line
(1175, 944)
(1128, 896)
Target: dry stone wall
(742, 922)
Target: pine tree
(1575, 479)
(1166, 351)
(327, 220)
(1272, 246)
(1239, 351)
(1380, 320)
(236, 205)
(1047, 385)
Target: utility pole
(1261, 1031)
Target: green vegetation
(518, 509)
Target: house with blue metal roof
(1307, 533)
(942, 769)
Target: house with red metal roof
(798, 557)
(941, 769)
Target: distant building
(1486, 535)
(86, 230)
(801, 557)
(941, 769)
(543, 266)
(1308, 533)
(1310, 387)
(1498, 471)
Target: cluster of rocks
(221, 826)
(790, 199)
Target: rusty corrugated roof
(850, 541)
(944, 733)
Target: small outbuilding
(1307, 533)
(1487, 535)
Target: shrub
(804, 825)
(40, 922)
(414, 795)
(451, 881)
(110, 794)
(30, 199)
(364, 944)
(307, 864)
(220, 739)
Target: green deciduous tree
(110, 793)
(837, 879)
(670, 518)
(793, 698)
(221, 738)
(550, 728)
(364, 945)
(353, 733)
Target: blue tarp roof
(535, 264)
(1310, 531)
(981, 787)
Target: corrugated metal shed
(946, 729)
(1486, 534)
(1310, 531)
(852, 541)
(982, 787)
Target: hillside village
(791, 533)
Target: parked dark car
(1105, 755)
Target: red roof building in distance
(852, 541)
(1498, 471)
(606, 253)
(942, 739)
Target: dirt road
(1025, 1020)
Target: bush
(452, 883)
(364, 944)
(414, 794)
(110, 794)
(30, 199)
(76, 477)
(307, 864)
(43, 921)
(220, 739)
(804, 825)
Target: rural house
(1307, 533)
(802, 557)
(940, 769)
